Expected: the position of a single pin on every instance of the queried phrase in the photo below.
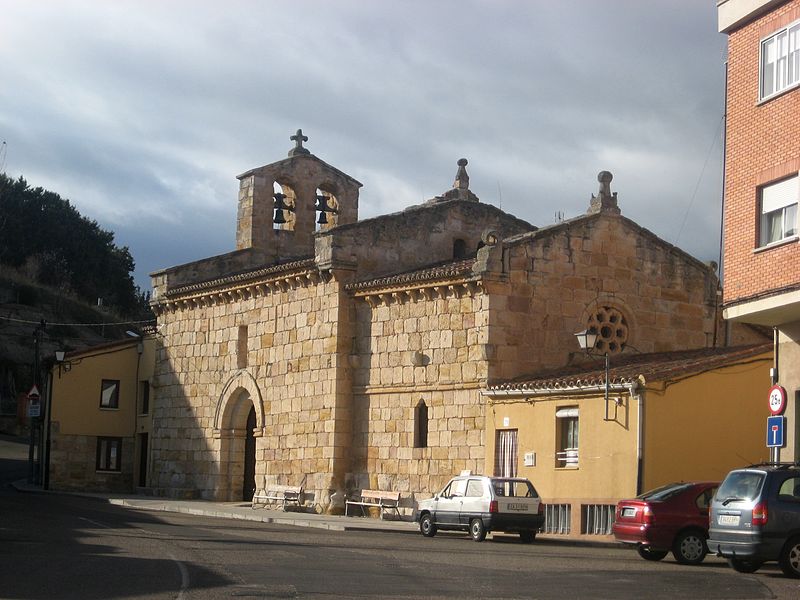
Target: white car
(480, 504)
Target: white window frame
(109, 394)
(568, 424)
(781, 203)
(785, 68)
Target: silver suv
(480, 504)
(755, 518)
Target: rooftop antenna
(559, 216)
(500, 194)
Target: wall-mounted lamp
(63, 365)
(587, 340)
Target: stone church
(346, 354)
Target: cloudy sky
(142, 113)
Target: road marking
(184, 577)
(95, 523)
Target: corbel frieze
(434, 291)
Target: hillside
(69, 325)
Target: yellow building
(100, 421)
(676, 416)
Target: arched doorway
(249, 480)
(238, 425)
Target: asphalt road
(54, 546)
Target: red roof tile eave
(451, 270)
(660, 366)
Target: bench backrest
(281, 489)
(378, 495)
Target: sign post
(34, 411)
(776, 424)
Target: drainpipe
(634, 391)
(136, 463)
(48, 421)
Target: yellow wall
(696, 429)
(607, 449)
(704, 426)
(76, 392)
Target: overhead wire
(53, 324)
(699, 179)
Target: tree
(69, 251)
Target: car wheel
(476, 530)
(690, 548)
(648, 554)
(527, 537)
(790, 558)
(741, 565)
(426, 525)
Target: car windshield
(740, 486)
(514, 488)
(664, 492)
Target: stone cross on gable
(298, 139)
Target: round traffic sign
(777, 399)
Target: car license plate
(628, 511)
(728, 519)
(518, 507)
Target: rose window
(611, 328)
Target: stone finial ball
(490, 237)
(605, 177)
(462, 162)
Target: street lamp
(587, 340)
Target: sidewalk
(244, 511)
(237, 510)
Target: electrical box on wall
(530, 459)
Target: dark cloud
(143, 113)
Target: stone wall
(417, 237)
(558, 279)
(73, 460)
(411, 348)
(300, 177)
(291, 373)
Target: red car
(670, 518)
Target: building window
(421, 425)
(780, 61)
(567, 437)
(505, 453)
(109, 454)
(144, 397)
(779, 211)
(597, 519)
(109, 393)
(459, 249)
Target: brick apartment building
(762, 160)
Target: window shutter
(779, 195)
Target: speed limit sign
(777, 400)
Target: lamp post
(587, 340)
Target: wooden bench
(278, 494)
(382, 500)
